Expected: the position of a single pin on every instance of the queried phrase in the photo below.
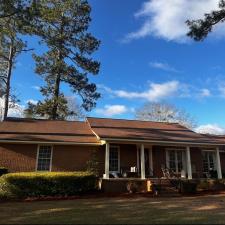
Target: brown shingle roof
(14, 129)
(146, 131)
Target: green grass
(185, 210)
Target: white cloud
(32, 101)
(210, 129)
(166, 18)
(222, 90)
(205, 92)
(163, 66)
(36, 87)
(156, 91)
(112, 110)
(16, 111)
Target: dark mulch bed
(109, 195)
(115, 195)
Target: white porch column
(107, 161)
(188, 158)
(218, 165)
(142, 161)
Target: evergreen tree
(10, 47)
(23, 10)
(199, 29)
(63, 26)
(15, 19)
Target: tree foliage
(68, 109)
(24, 12)
(11, 45)
(162, 112)
(199, 29)
(63, 26)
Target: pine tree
(199, 29)
(63, 27)
(10, 47)
(15, 19)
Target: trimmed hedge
(188, 187)
(3, 171)
(22, 185)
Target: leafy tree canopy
(199, 29)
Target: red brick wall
(196, 162)
(128, 156)
(159, 159)
(18, 157)
(22, 157)
(71, 158)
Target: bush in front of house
(188, 187)
(22, 185)
(211, 185)
(3, 171)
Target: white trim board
(50, 143)
(153, 142)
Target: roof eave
(52, 142)
(139, 141)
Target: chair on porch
(171, 176)
(168, 173)
(129, 172)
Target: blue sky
(146, 57)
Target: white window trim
(183, 158)
(37, 156)
(214, 158)
(118, 148)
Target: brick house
(127, 147)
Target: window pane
(44, 158)
(113, 159)
(208, 161)
(172, 160)
(175, 160)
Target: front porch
(141, 161)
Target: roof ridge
(15, 119)
(133, 120)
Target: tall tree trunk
(8, 81)
(56, 97)
(58, 78)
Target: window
(175, 160)
(44, 158)
(114, 159)
(208, 161)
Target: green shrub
(188, 187)
(211, 185)
(21, 185)
(203, 185)
(3, 170)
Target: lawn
(204, 209)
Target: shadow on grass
(186, 210)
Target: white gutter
(161, 142)
(51, 142)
